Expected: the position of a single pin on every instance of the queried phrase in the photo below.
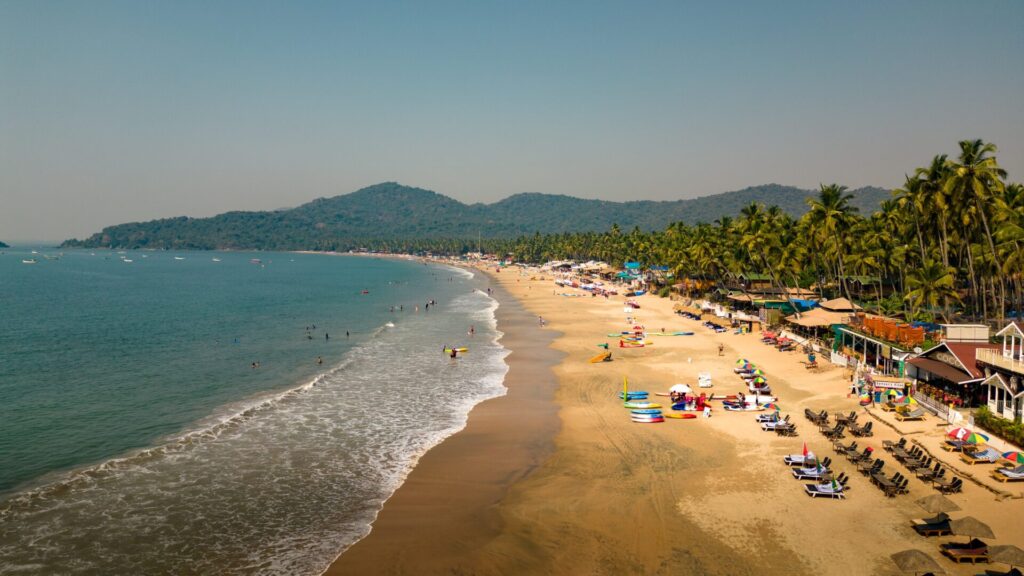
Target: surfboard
(641, 405)
(460, 350)
(681, 416)
(647, 411)
(602, 357)
(648, 420)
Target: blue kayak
(646, 411)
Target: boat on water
(128, 260)
(29, 261)
(255, 261)
(179, 257)
(216, 259)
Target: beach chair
(937, 526)
(889, 445)
(788, 430)
(827, 490)
(773, 417)
(840, 449)
(986, 456)
(948, 486)
(1009, 474)
(864, 431)
(846, 418)
(857, 457)
(937, 473)
(869, 468)
(974, 551)
(798, 459)
(836, 432)
(915, 414)
(915, 465)
(769, 426)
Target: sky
(113, 112)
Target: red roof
(964, 352)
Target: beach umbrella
(759, 380)
(680, 389)
(1007, 554)
(758, 372)
(971, 527)
(966, 435)
(742, 361)
(772, 406)
(1014, 456)
(916, 561)
(937, 503)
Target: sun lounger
(862, 431)
(952, 445)
(798, 459)
(937, 526)
(915, 414)
(827, 490)
(974, 551)
(889, 445)
(1009, 474)
(986, 456)
(788, 430)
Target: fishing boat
(29, 261)
(216, 259)
(179, 258)
(255, 261)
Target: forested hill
(2, 245)
(392, 211)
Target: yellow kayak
(459, 350)
(602, 357)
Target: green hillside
(391, 211)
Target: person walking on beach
(721, 349)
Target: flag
(817, 466)
(805, 450)
(835, 486)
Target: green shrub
(1006, 429)
(665, 291)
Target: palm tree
(829, 215)
(928, 285)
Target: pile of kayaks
(643, 412)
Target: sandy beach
(572, 486)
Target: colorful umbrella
(758, 372)
(742, 361)
(1014, 456)
(967, 436)
(759, 380)
(772, 406)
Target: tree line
(948, 244)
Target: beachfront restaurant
(948, 374)
(1004, 370)
(853, 348)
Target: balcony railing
(994, 357)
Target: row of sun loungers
(915, 414)
(981, 456)
(923, 466)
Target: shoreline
(704, 496)
(447, 507)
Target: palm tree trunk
(995, 257)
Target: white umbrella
(680, 389)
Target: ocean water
(137, 438)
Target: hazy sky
(122, 111)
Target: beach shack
(1003, 366)
(948, 374)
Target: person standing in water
(472, 330)
(319, 360)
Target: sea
(222, 412)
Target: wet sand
(705, 496)
(448, 506)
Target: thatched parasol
(937, 503)
(1007, 554)
(916, 561)
(971, 527)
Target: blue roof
(632, 265)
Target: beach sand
(704, 496)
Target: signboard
(889, 383)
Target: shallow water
(148, 444)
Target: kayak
(681, 416)
(647, 411)
(641, 405)
(743, 408)
(634, 393)
(648, 420)
(672, 333)
(602, 357)
(683, 408)
(449, 350)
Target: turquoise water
(136, 437)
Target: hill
(2, 245)
(392, 211)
